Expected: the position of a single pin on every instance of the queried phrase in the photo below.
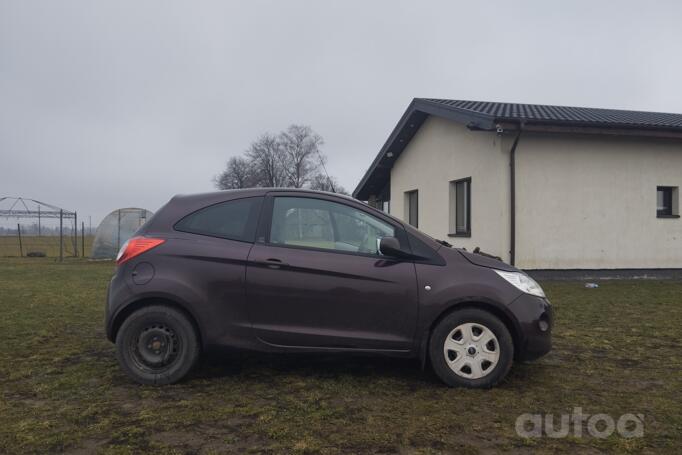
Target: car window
(234, 220)
(316, 223)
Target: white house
(543, 187)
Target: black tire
(438, 353)
(157, 345)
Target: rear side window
(234, 220)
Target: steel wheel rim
(155, 348)
(471, 350)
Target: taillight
(135, 247)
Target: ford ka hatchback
(280, 270)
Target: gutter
(512, 198)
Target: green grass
(618, 349)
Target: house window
(412, 207)
(667, 202)
(386, 206)
(460, 208)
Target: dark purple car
(282, 270)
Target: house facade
(543, 187)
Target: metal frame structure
(24, 211)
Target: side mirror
(390, 246)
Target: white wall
(589, 202)
(443, 151)
(583, 202)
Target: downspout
(512, 199)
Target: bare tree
(301, 154)
(321, 182)
(266, 158)
(290, 159)
(238, 174)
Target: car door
(316, 279)
(206, 265)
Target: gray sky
(112, 104)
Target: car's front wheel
(471, 348)
(157, 345)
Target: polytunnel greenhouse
(115, 229)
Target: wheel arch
(131, 307)
(479, 304)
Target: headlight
(522, 282)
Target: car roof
(250, 192)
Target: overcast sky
(114, 104)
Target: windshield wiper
(444, 243)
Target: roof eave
(413, 117)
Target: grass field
(618, 349)
(48, 244)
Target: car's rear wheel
(471, 348)
(157, 345)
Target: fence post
(39, 221)
(61, 235)
(82, 238)
(75, 234)
(21, 248)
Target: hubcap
(155, 347)
(471, 350)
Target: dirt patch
(87, 447)
(209, 439)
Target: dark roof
(483, 115)
(555, 115)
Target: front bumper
(536, 320)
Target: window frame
(253, 220)
(452, 209)
(674, 202)
(408, 207)
(265, 225)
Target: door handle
(274, 263)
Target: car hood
(484, 261)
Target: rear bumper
(109, 311)
(118, 294)
(108, 316)
(536, 321)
